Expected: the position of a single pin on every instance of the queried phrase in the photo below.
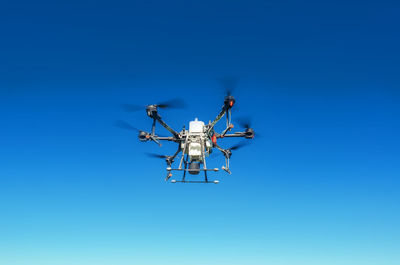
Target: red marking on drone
(214, 139)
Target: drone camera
(194, 168)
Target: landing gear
(193, 168)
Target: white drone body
(196, 141)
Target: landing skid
(194, 181)
(169, 175)
(187, 170)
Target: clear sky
(320, 80)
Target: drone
(194, 144)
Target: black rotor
(175, 103)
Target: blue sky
(319, 79)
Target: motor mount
(143, 136)
(249, 133)
(229, 101)
(151, 110)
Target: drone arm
(228, 128)
(158, 118)
(248, 134)
(177, 152)
(227, 154)
(170, 160)
(236, 134)
(220, 149)
(218, 118)
(172, 139)
(226, 109)
(153, 127)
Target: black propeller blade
(238, 146)
(156, 155)
(244, 122)
(126, 126)
(228, 152)
(176, 103)
(229, 84)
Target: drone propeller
(156, 155)
(244, 122)
(238, 146)
(126, 126)
(168, 159)
(229, 84)
(228, 152)
(176, 103)
(228, 91)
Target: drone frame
(152, 112)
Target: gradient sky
(320, 80)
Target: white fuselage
(197, 145)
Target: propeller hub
(249, 133)
(229, 101)
(151, 110)
(143, 136)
